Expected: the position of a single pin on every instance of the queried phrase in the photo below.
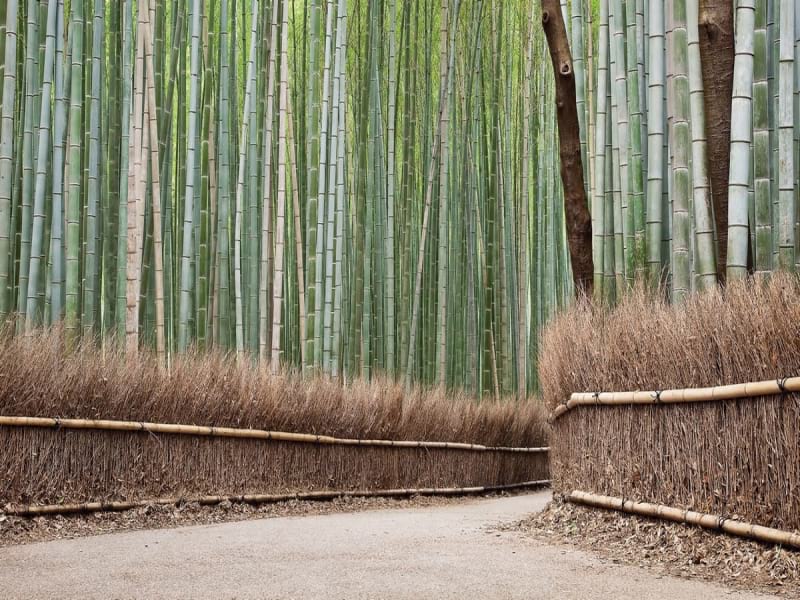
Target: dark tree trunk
(576, 210)
(716, 56)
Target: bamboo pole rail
(704, 520)
(52, 509)
(771, 387)
(259, 434)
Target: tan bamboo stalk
(678, 515)
(755, 389)
(260, 434)
(152, 127)
(280, 233)
(53, 509)
(264, 331)
(133, 248)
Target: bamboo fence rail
(106, 425)
(757, 389)
(705, 520)
(52, 509)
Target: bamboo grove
(357, 187)
(659, 209)
(344, 186)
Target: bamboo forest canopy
(372, 186)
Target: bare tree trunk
(716, 57)
(578, 219)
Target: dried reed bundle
(37, 379)
(747, 331)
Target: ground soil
(669, 548)
(456, 549)
(26, 530)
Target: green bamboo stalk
(705, 264)
(111, 161)
(599, 200)
(243, 147)
(624, 230)
(280, 227)
(577, 25)
(318, 141)
(73, 175)
(186, 291)
(124, 170)
(442, 284)
(265, 332)
(637, 218)
(681, 147)
(297, 230)
(91, 260)
(7, 153)
(787, 217)
(313, 157)
(390, 193)
(331, 241)
(222, 285)
(30, 116)
(152, 127)
(32, 311)
(338, 300)
(797, 117)
(655, 141)
(761, 144)
(741, 137)
(60, 127)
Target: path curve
(435, 552)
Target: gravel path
(435, 552)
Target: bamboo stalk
(280, 436)
(761, 533)
(53, 509)
(756, 389)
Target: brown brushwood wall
(733, 458)
(39, 378)
(56, 466)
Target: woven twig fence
(730, 451)
(71, 465)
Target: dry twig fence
(723, 451)
(118, 465)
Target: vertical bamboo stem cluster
(363, 187)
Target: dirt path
(438, 552)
